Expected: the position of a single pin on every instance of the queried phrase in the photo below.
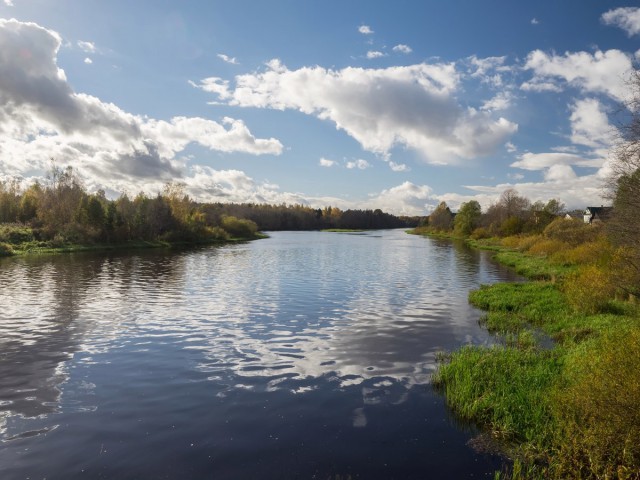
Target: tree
(624, 191)
(441, 218)
(467, 218)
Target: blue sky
(357, 104)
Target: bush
(548, 247)
(573, 232)
(239, 227)
(5, 250)
(589, 290)
(597, 406)
(15, 234)
(480, 233)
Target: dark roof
(599, 212)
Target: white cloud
(398, 167)
(42, 117)
(534, 21)
(359, 164)
(404, 199)
(88, 61)
(511, 148)
(602, 72)
(402, 48)
(325, 162)
(374, 54)
(228, 59)
(214, 85)
(626, 18)
(502, 101)
(590, 124)
(365, 30)
(88, 47)
(541, 161)
(410, 106)
(8, 3)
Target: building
(597, 214)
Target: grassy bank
(560, 394)
(47, 247)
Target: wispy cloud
(228, 59)
(365, 30)
(534, 21)
(8, 3)
(88, 47)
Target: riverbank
(46, 248)
(559, 395)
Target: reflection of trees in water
(49, 305)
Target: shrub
(5, 250)
(547, 247)
(589, 290)
(481, 232)
(573, 232)
(239, 227)
(597, 406)
(15, 234)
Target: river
(304, 355)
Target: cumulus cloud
(325, 162)
(228, 59)
(359, 164)
(88, 61)
(42, 117)
(405, 199)
(365, 30)
(402, 48)
(626, 18)
(600, 72)
(371, 54)
(408, 106)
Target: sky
(397, 105)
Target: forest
(61, 212)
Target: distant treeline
(61, 211)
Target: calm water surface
(306, 355)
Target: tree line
(61, 211)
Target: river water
(304, 355)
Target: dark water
(306, 355)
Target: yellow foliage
(597, 407)
(547, 247)
(589, 290)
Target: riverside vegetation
(61, 215)
(560, 393)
